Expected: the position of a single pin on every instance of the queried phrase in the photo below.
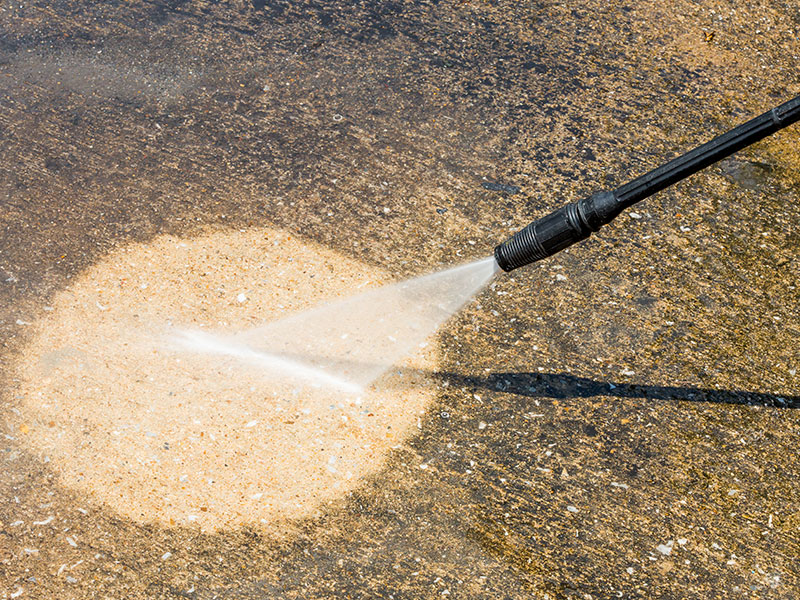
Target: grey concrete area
(616, 422)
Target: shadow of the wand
(564, 385)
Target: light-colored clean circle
(161, 434)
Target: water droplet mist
(350, 343)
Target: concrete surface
(615, 422)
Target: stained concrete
(617, 421)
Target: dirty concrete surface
(618, 421)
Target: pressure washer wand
(576, 221)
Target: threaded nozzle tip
(500, 258)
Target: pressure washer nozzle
(558, 230)
(575, 222)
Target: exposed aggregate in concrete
(614, 422)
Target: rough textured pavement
(617, 421)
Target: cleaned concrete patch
(157, 432)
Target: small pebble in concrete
(666, 549)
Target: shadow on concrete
(564, 385)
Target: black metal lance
(576, 221)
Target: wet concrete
(615, 422)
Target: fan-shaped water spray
(350, 343)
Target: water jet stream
(201, 341)
(350, 343)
